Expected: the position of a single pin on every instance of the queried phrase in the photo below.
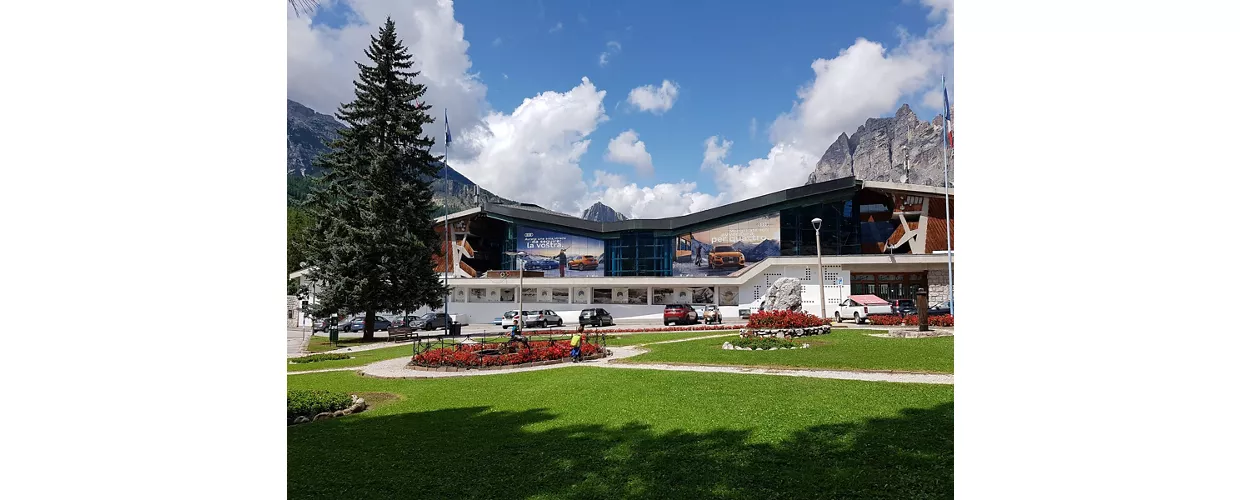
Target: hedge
(779, 320)
(319, 357)
(310, 403)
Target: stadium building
(879, 238)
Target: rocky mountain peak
(900, 148)
(599, 212)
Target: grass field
(846, 349)
(358, 358)
(623, 339)
(323, 344)
(587, 432)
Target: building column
(649, 295)
(936, 285)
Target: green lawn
(842, 349)
(623, 339)
(358, 358)
(323, 344)
(587, 432)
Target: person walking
(575, 344)
(563, 261)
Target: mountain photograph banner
(723, 250)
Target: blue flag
(447, 129)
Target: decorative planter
(727, 346)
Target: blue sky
(736, 67)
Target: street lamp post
(822, 283)
(521, 290)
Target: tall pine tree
(374, 226)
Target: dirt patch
(375, 399)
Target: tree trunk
(368, 333)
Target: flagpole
(446, 244)
(951, 302)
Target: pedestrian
(698, 260)
(563, 262)
(514, 335)
(575, 343)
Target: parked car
(429, 321)
(320, 325)
(941, 308)
(750, 308)
(712, 315)
(510, 318)
(583, 263)
(498, 321)
(547, 317)
(904, 306)
(680, 314)
(359, 323)
(541, 265)
(860, 307)
(595, 317)
(724, 256)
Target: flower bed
(783, 320)
(469, 356)
(652, 329)
(944, 320)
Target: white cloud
(613, 48)
(558, 26)
(863, 81)
(660, 200)
(321, 66)
(627, 150)
(497, 42)
(533, 153)
(657, 101)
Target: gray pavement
(297, 339)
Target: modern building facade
(877, 238)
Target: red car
(680, 314)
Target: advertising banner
(559, 254)
(723, 250)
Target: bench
(402, 333)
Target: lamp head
(817, 223)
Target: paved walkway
(396, 368)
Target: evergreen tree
(374, 231)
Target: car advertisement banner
(723, 250)
(559, 254)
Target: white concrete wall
(837, 280)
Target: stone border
(358, 406)
(793, 332)
(412, 366)
(727, 346)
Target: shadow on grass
(476, 453)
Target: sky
(654, 108)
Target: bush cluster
(911, 320)
(779, 320)
(320, 357)
(764, 342)
(310, 403)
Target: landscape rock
(338, 413)
(783, 295)
(323, 416)
(301, 419)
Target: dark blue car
(359, 323)
(541, 265)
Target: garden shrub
(764, 342)
(779, 320)
(310, 403)
(911, 320)
(319, 357)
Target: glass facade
(638, 254)
(839, 230)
